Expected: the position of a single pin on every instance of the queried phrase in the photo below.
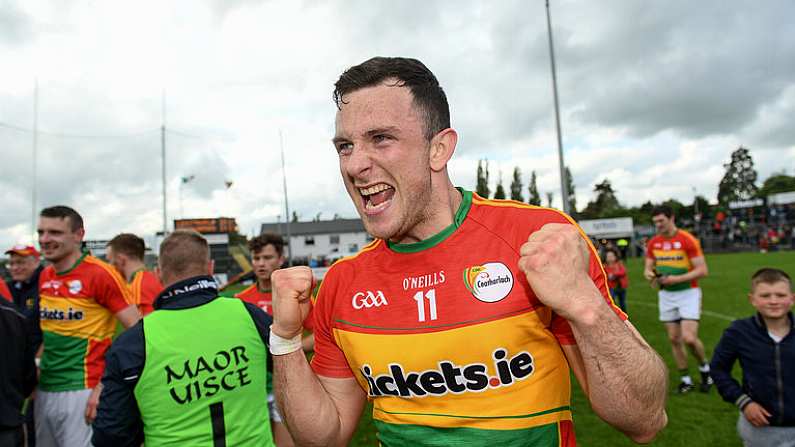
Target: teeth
(374, 189)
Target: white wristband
(281, 346)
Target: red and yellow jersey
(144, 288)
(673, 255)
(77, 309)
(446, 336)
(260, 298)
(4, 291)
(264, 300)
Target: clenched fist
(292, 289)
(555, 260)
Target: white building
(325, 239)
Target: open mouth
(377, 197)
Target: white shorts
(680, 305)
(274, 409)
(60, 419)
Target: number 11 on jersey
(420, 298)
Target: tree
(482, 187)
(739, 182)
(776, 183)
(516, 185)
(572, 196)
(533, 198)
(605, 202)
(549, 199)
(500, 192)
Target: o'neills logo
(205, 377)
(489, 282)
(449, 377)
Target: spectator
(765, 346)
(25, 268)
(617, 279)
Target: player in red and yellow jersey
(267, 256)
(674, 263)
(79, 297)
(125, 252)
(462, 320)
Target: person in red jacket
(617, 279)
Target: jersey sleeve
(329, 360)
(110, 290)
(649, 251)
(692, 247)
(309, 322)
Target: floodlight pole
(564, 188)
(286, 204)
(35, 161)
(163, 161)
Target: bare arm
(128, 316)
(318, 411)
(624, 378)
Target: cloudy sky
(654, 96)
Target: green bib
(203, 382)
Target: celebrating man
(463, 318)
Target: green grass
(694, 419)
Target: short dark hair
(429, 98)
(64, 212)
(662, 209)
(184, 253)
(128, 244)
(768, 275)
(258, 243)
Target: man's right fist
(292, 289)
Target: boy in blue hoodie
(765, 347)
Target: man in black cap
(24, 265)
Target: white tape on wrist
(281, 346)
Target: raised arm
(625, 379)
(318, 411)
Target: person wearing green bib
(193, 372)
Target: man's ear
(442, 149)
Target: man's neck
(263, 285)
(671, 232)
(779, 326)
(131, 267)
(67, 262)
(444, 206)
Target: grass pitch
(694, 419)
